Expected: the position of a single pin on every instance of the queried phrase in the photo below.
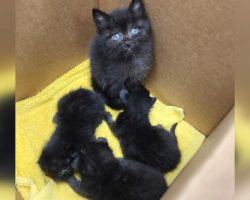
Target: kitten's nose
(127, 44)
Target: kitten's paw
(64, 174)
(159, 126)
(124, 95)
(102, 140)
(75, 163)
(108, 117)
(71, 180)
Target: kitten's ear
(124, 95)
(101, 19)
(137, 9)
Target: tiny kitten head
(124, 33)
(96, 157)
(55, 164)
(137, 100)
(80, 107)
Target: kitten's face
(80, 107)
(57, 168)
(137, 99)
(124, 33)
(93, 153)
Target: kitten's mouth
(128, 54)
(128, 57)
(129, 51)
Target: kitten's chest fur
(135, 69)
(110, 72)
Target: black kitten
(103, 177)
(151, 145)
(78, 115)
(122, 49)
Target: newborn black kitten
(78, 115)
(151, 145)
(103, 177)
(122, 49)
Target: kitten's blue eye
(117, 36)
(134, 31)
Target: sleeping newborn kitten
(151, 145)
(122, 49)
(78, 115)
(103, 177)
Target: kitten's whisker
(114, 53)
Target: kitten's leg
(108, 118)
(102, 140)
(75, 163)
(76, 186)
(111, 123)
(108, 94)
(113, 96)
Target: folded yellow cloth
(34, 127)
(7, 82)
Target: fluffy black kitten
(151, 145)
(122, 49)
(78, 115)
(103, 177)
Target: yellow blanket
(34, 127)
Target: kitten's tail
(172, 130)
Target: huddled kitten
(103, 177)
(121, 49)
(78, 115)
(121, 56)
(140, 141)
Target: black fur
(103, 177)
(78, 115)
(151, 145)
(129, 57)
